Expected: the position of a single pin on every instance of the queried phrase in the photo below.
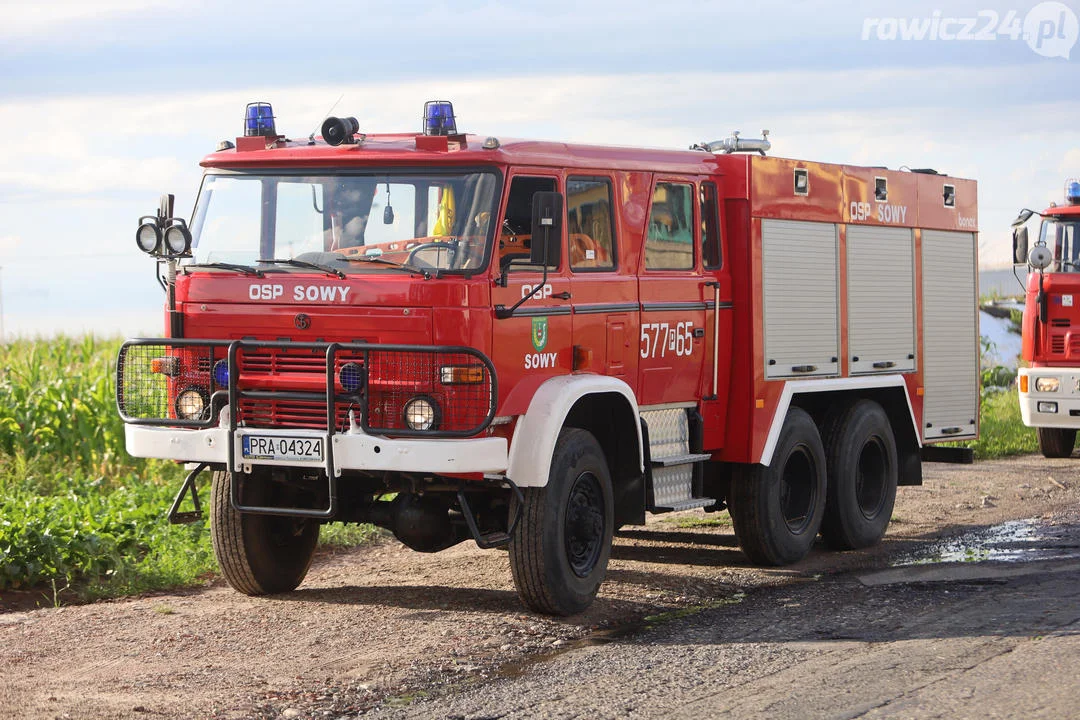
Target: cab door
(535, 341)
(603, 289)
(673, 295)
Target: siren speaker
(336, 131)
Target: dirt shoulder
(378, 625)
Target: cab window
(711, 255)
(514, 233)
(670, 242)
(589, 224)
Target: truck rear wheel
(861, 457)
(259, 554)
(1056, 442)
(560, 550)
(777, 509)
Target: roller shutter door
(799, 273)
(950, 335)
(881, 299)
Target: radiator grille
(457, 382)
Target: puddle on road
(1011, 549)
(1014, 541)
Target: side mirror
(1020, 245)
(1023, 217)
(546, 229)
(1040, 257)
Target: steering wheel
(450, 248)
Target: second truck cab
(1050, 386)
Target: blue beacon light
(259, 120)
(439, 118)
(221, 373)
(1072, 192)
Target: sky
(105, 104)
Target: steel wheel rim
(870, 478)
(798, 490)
(584, 524)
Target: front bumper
(354, 450)
(1059, 409)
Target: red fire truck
(534, 344)
(1050, 385)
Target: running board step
(680, 459)
(689, 504)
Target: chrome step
(689, 504)
(680, 459)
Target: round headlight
(190, 405)
(421, 413)
(177, 240)
(352, 377)
(148, 237)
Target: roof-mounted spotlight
(148, 236)
(177, 239)
(439, 118)
(337, 131)
(259, 120)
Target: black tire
(1056, 442)
(259, 554)
(560, 549)
(863, 470)
(777, 510)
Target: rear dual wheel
(863, 472)
(777, 509)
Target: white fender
(534, 437)
(798, 387)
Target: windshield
(428, 220)
(1063, 238)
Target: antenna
(311, 137)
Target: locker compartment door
(881, 299)
(950, 336)
(801, 298)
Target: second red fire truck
(534, 344)
(1050, 385)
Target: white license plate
(279, 447)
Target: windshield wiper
(305, 264)
(245, 269)
(392, 263)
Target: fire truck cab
(534, 344)
(1050, 386)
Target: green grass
(697, 521)
(1001, 431)
(79, 518)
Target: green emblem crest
(539, 333)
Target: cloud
(138, 145)
(8, 243)
(28, 19)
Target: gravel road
(683, 627)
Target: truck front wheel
(1056, 442)
(777, 509)
(259, 554)
(560, 549)
(863, 473)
